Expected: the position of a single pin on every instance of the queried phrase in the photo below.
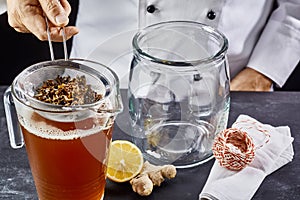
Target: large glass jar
(178, 92)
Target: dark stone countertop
(275, 108)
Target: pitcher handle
(14, 130)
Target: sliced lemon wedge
(125, 161)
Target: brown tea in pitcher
(67, 158)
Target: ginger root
(151, 175)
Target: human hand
(28, 16)
(250, 80)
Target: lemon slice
(125, 161)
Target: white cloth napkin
(224, 184)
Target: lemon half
(125, 161)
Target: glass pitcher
(178, 91)
(67, 146)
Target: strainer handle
(50, 42)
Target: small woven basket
(234, 149)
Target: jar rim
(187, 63)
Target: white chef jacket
(266, 41)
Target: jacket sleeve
(278, 49)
